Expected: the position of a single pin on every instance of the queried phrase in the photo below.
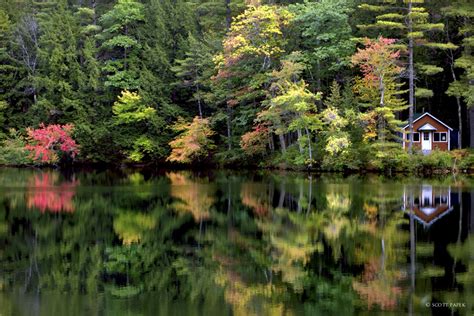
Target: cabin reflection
(429, 203)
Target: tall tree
(121, 45)
(411, 21)
(59, 71)
(463, 87)
(251, 48)
(326, 37)
(26, 44)
(379, 90)
(194, 71)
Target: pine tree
(7, 67)
(410, 20)
(463, 87)
(59, 74)
(121, 45)
(194, 71)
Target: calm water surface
(230, 243)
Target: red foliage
(255, 142)
(47, 142)
(377, 58)
(45, 195)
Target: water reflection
(193, 196)
(48, 194)
(429, 203)
(236, 244)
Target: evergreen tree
(120, 44)
(194, 71)
(59, 74)
(411, 21)
(463, 87)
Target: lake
(131, 242)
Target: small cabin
(429, 133)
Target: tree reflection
(131, 227)
(273, 244)
(251, 195)
(195, 196)
(47, 193)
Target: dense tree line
(232, 80)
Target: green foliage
(119, 37)
(326, 35)
(462, 10)
(136, 121)
(12, 150)
(423, 93)
(392, 159)
(437, 160)
(129, 108)
(258, 71)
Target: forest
(322, 84)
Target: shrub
(463, 159)
(52, 143)
(12, 151)
(437, 160)
(390, 157)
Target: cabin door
(426, 141)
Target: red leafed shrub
(48, 144)
(255, 142)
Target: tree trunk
(458, 98)
(382, 104)
(300, 146)
(458, 101)
(310, 150)
(471, 127)
(229, 127)
(281, 137)
(272, 143)
(228, 20)
(198, 96)
(228, 15)
(411, 79)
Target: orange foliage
(259, 204)
(195, 198)
(377, 60)
(375, 288)
(255, 142)
(194, 143)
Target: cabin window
(440, 137)
(426, 136)
(416, 137)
